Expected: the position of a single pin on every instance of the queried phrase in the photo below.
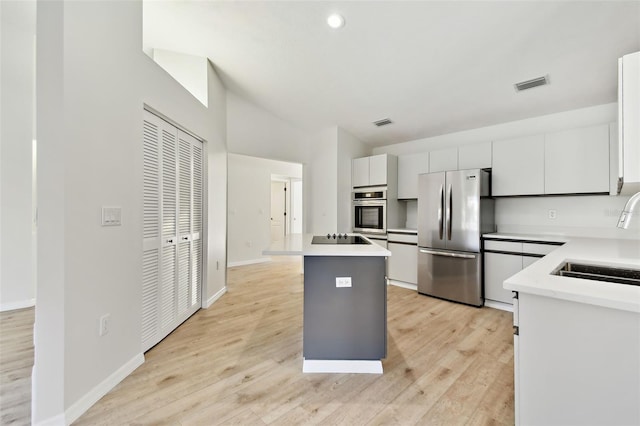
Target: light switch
(111, 216)
(343, 281)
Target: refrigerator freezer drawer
(450, 275)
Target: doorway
(278, 210)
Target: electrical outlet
(553, 214)
(103, 326)
(248, 243)
(343, 281)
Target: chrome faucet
(627, 211)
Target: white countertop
(300, 244)
(537, 278)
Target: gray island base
(345, 305)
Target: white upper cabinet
(577, 161)
(373, 171)
(443, 160)
(628, 121)
(518, 166)
(475, 156)
(409, 167)
(378, 169)
(360, 172)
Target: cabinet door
(360, 172)
(497, 268)
(628, 113)
(476, 156)
(172, 219)
(577, 161)
(378, 169)
(409, 167)
(403, 263)
(518, 166)
(443, 160)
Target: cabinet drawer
(538, 248)
(511, 246)
(403, 263)
(403, 238)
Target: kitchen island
(577, 340)
(345, 302)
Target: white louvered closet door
(172, 220)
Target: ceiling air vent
(529, 84)
(382, 122)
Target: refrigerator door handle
(440, 209)
(449, 205)
(448, 254)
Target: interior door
(278, 210)
(296, 207)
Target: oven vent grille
(382, 122)
(530, 84)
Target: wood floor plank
(16, 362)
(240, 362)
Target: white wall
(17, 278)
(91, 93)
(321, 191)
(249, 225)
(325, 154)
(576, 215)
(254, 131)
(349, 147)
(188, 70)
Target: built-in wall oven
(370, 210)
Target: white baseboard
(52, 421)
(78, 408)
(403, 284)
(215, 297)
(341, 366)
(20, 304)
(248, 262)
(498, 305)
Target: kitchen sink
(609, 274)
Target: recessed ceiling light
(335, 20)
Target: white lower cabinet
(382, 242)
(502, 259)
(575, 363)
(402, 265)
(497, 268)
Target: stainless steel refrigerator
(454, 210)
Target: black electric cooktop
(338, 239)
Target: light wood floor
(240, 362)
(16, 361)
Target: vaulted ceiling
(432, 67)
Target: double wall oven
(370, 210)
